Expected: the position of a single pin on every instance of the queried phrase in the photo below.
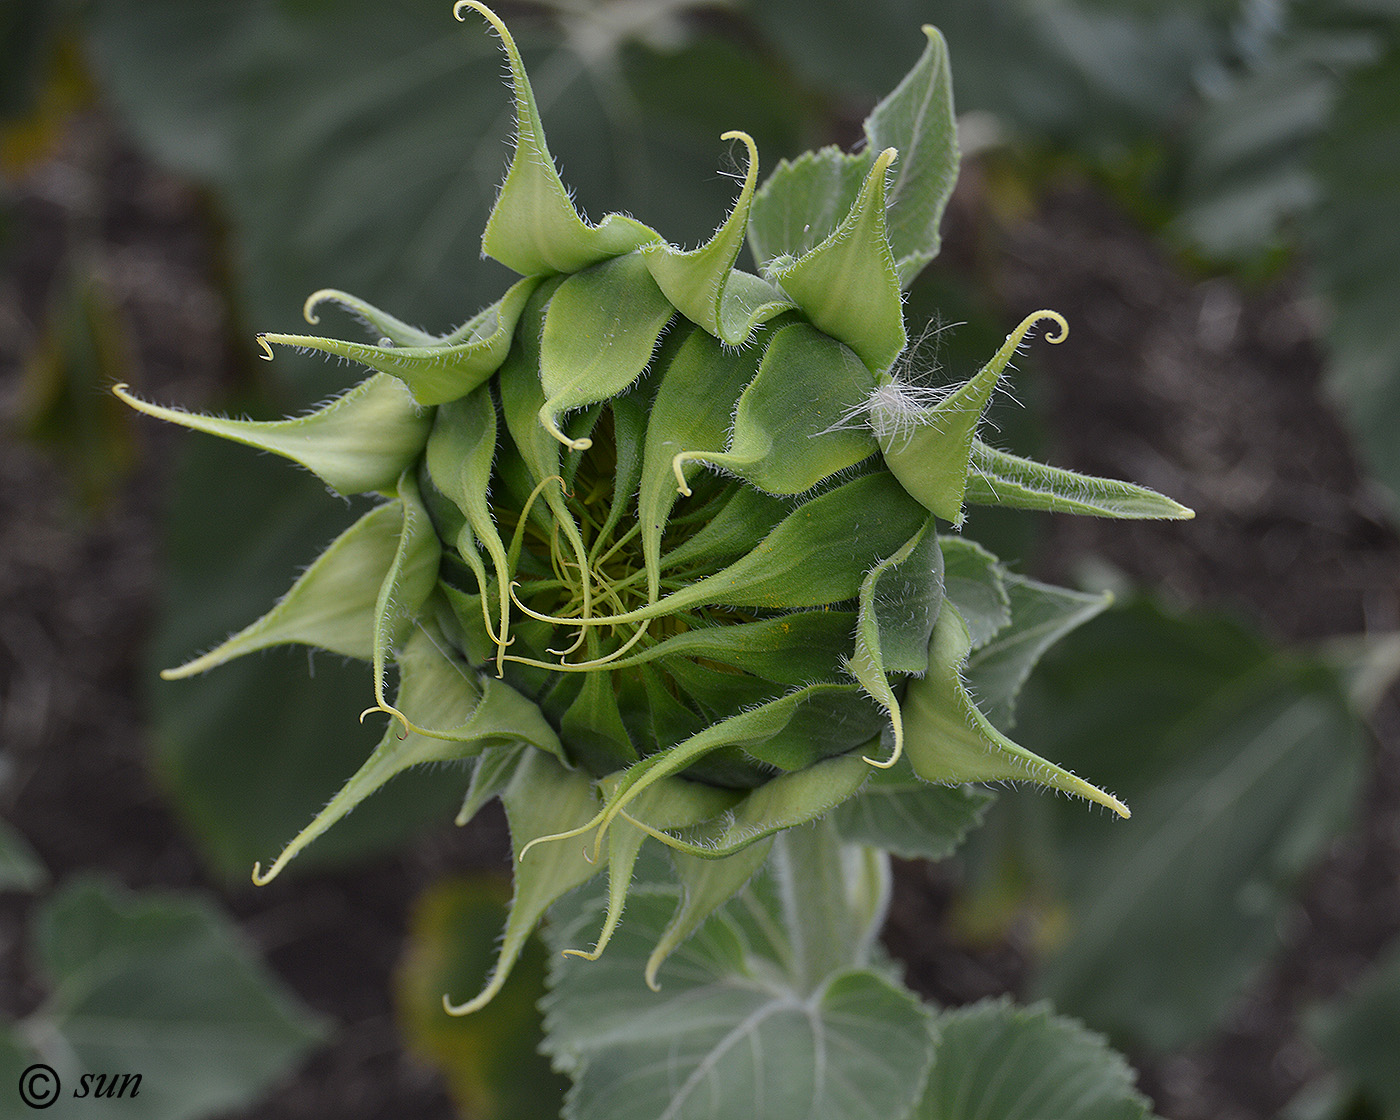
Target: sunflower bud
(660, 548)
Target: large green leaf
(1094, 75)
(908, 817)
(1358, 1034)
(161, 986)
(770, 1009)
(1241, 764)
(996, 1060)
(1357, 247)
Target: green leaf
(360, 442)
(250, 753)
(703, 285)
(899, 812)
(814, 555)
(693, 409)
(898, 606)
(848, 285)
(753, 1017)
(20, 868)
(778, 804)
(1243, 765)
(949, 740)
(1358, 1034)
(494, 768)
(458, 459)
(1001, 479)
(491, 1060)
(705, 886)
(1355, 247)
(917, 119)
(1040, 616)
(411, 578)
(803, 201)
(161, 985)
(994, 1059)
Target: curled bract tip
(394, 713)
(491, 17)
(581, 830)
(459, 1009)
(1038, 316)
(266, 348)
(884, 764)
(748, 141)
(682, 487)
(313, 301)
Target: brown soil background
(1191, 386)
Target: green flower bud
(660, 548)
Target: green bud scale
(660, 550)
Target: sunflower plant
(668, 554)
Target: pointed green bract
(785, 802)
(693, 409)
(899, 812)
(411, 577)
(459, 456)
(1000, 479)
(541, 796)
(814, 556)
(706, 885)
(929, 449)
(974, 581)
(949, 740)
(803, 201)
(534, 228)
(380, 323)
(359, 443)
(899, 603)
(1040, 616)
(683, 804)
(599, 331)
(436, 371)
(788, 429)
(918, 120)
(436, 690)
(806, 199)
(331, 606)
(703, 285)
(848, 285)
(494, 768)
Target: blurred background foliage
(358, 143)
